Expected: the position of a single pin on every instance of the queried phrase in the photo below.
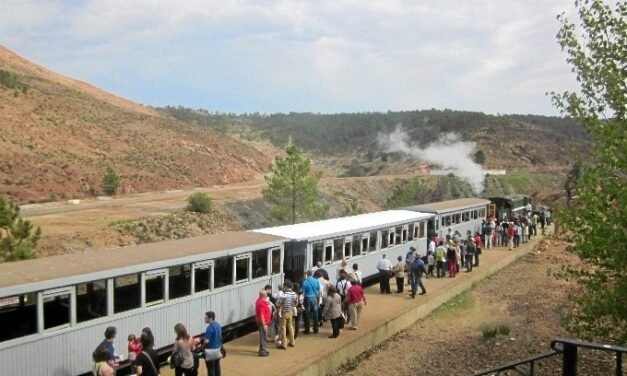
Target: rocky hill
(58, 136)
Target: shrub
(489, 332)
(199, 202)
(504, 330)
(110, 182)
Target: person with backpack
(341, 287)
(417, 270)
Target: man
(213, 343)
(417, 270)
(440, 260)
(354, 297)
(486, 231)
(385, 271)
(342, 286)
(399, 274)
(311, 293)
(470, 253)
(111, 357)
(285, 304)
(409, 259)
(319, 269)
(263, 318)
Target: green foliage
(411, 193)
(110, 182)
(292, 190)
(353, 207)
(480, 157)
(355, 169)
(504, 330)
(199, 202)
(489, 332)
(597, 220)
(18, 238)
(10, 80)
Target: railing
(566, 347)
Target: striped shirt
(287, 301)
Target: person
(147, 362)
(451, 257)
(440, 260)
(409, 259)
(184, 344)
(431, 263)
(286, 304)
(510, 235)
(385, 270)
(477, 248)
(101, 367)
(355, 275)
(263, 318)
(333, 311)
(354, 297)
(213, 344)
(324, 286)
(470, 253)
(399, 274)
(319, 268)
(148, 332)
(486, 230)
(311, 292)
(417, 270)
(109, 335)
(299, 310)
(343, 267)
(273, 330)
(134, 347)
(341, 287)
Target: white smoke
(448, 151)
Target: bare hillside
(58, 136)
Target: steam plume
(448, 151)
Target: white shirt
(432, 246)
(384, 264)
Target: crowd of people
(316, 300)
(186, 352)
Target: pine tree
(17, 237)
(110, 182)
(292, 189)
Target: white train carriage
(54, 310)
(464, 214)
(361, 239)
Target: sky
(493, 56)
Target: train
(54, 310)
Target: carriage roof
(450, 205)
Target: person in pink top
(263, 318)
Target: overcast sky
(495, 56)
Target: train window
(421, 228)
(442, 221)
(318, 249)
(242, 264)
(57, 308)
(465, 216)
(338, 248)
(348, 244)
(357, 239)
(474, 214)
(404, 235)
(398, 238)
(223, 274)
(385, 238)
(126, 293)
(328, 253)
(202, 276)
(276, 261)
(18, 316)
(91, 300)
(447, 220)
(365, 242)
(154, 283)
(457, 218)
(373, 238)
(415, 230)
(260, 263)
(482, 212)
(410, 232)
(392, 236)
(180, 281)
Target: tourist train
(54, 310)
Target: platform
(382, 317)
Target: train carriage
(464, 214)
(54, 310)
(361, 239)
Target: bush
(110, 182)
(489, 332)
(199, 202)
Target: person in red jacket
(263, 318)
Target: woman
(147, 362)
(101, 367)
(451, 258)
(184, 344)
(333, 310)
(356, 300)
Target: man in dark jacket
(417, 269)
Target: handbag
(223, 351)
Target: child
(134, 347)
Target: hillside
(58, 136)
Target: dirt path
(524, 300)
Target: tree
(110, 182)
(199, 202)
(17, 238)
(480, 157)
(292, 190)
(597, 221)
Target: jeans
(441, 269)
(469, 262)
(311, 313)
(384, 281)
(399, 284)
(335, 325)
(416, 281)
(213, 368)
(262, 339)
